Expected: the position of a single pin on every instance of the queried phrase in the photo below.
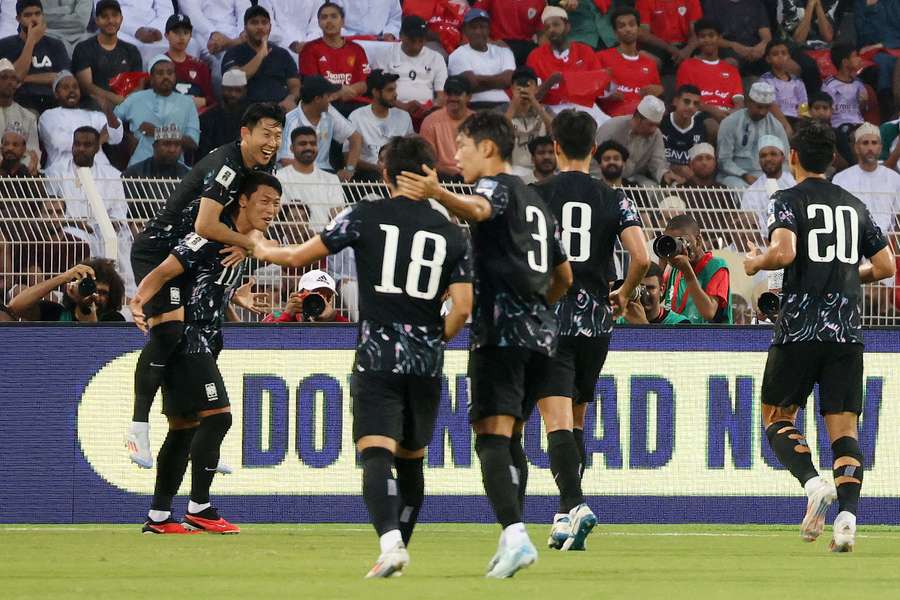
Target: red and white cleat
(165, 527)
(209, 521)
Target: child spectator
(848, 95)
(790, 92)
(720, 85)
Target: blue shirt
(148, 107)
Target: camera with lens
(86, 287)
(667, 246)
(769, 302)
(313, 305)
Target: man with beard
(378, 122)
(440, 127)
(221, 124)
(543, 159)
(713, 205)
(165, 161)
(304, 183)
(612, 156)
(146, 110)
(14, 116)
(771, 160)
(648, 310)
(12, 148)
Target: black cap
(256, 11)
(23, 4)
(178, 22)
(378, 80)
(413, 26)
(524, 74)
(314, 86)
(108, 4)
(457, 84)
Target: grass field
(329, 561)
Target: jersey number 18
(417, 262)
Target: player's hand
(234, 255)
(635, 314)
(751, 266)
(137, 312)
(619, 301)
(79, 272)
(419, 187)
(257, 303)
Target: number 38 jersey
(821, 288)
(407, 255)
(591, 216)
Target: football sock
(380, 489)
(582, 455)
(848, 472)
(411, 481)
(171, 463)
(500, 477)
(791, 449)
(566, 469)
(205, 454)
(148, 375)
(520, 462)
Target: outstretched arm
(307, 253)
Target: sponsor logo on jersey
(194, 241)
(486, 187)
(225, 176)
(212, 394)
(174, 295)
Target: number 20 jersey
(821, 288)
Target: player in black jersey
(819, 234)
(194, 397)
(407, 256)
(196, 205)
(520, 272)
(591, 215)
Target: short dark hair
(105, 272)
(21, 5)
(773, 43)
(256, 11)
(303, 130)
(820, 96)
(339, 8)
(654, 270)
(262, 110)
(705, 24)
(814, 142)
(611, 145)
(86, 129)
(574, 131)
(682, 222)
(493, 127)
(407, 153)
(688, 88)
(840, 53)
(535, 143)
(623, 11)
(256, 179)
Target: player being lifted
(194, 396)
(407, 256)
(520, 272)
(215, 181)
(591, 216)
(819, 233)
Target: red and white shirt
(630, 74)
(719, 82)
(577, 59)
(513, 19)
(670, 20)
(342, 66)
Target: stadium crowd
(700, 96)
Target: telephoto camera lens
(769, 304)
(666, 246)
(313, 306)
(86, 287)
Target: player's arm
(633, 241)
(561, 279)
(460, 309)
(781, 252)
(307, 253)
(473, 208)
(150, 285)
(881, 266)
(209, 225)
(24, 305)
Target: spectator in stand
(166, 159)
(820, 109)
(313, 282)
(635, 75)
(712, 204)
(721, 90)
(36, 56)
(640, 133)
(315, 111)
(305, 184)
(67, 20)
(56, 126)
(528, 117)
(222, 123)
(648, 309)
(849, 96)
(563, 65)
(745, 31)
(440, 128)
(703, 167)
(340, 61)
(878, 26)
(159, 106)
(12, 149)
(685, 127)
(543, 159)
(590, 22)
(271, 72)
(516, 22)
(739, 136)
(378, 122)
(487, 66)
(219, 26)
(790, 92)
(376, 18)
(143, 23)
(294, 22)
(611, 157)
(191, 75)
(756, 199)
(98, 59)
(14, 116)
(667, 29)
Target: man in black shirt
(221, 124)
(819, 233)
(195, 205)
(408, 255)
(520, 272)
(195, 400)
(683, 128)
(592, 216)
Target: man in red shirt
(191, 75)
(300, 310)
(667, 28)
(340, 61)
(634, 74)
(721, 89)
(516, 22)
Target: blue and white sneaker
(512, 558)
(559, 533)
(583, 521)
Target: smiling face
(611, 165)
(67, 93)
(305, 149)
(262, 142)
(261, 207)
(109, 21)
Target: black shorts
(192, 384)
(793, 369)
(573, 371)
(148, 253)
(503, 381)
(401, 407)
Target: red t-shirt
(670, 20)
(719, 82)
(195, 73)
(513, 19)
(630, 74)
(342, 66)
(545, 63)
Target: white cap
(157, 59)
(6, 65)
(554, 11)
(701, 149)
(316, 279)
(762, 93)
(234, 78)
(866, 129)
(652, 109)
(770, 141)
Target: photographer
(697, 284)
(648, 310)
(312, 303)
(93, 292)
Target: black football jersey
(407, 255)
(821, 288)
(515, 251)
(678, 142)
(591, 215)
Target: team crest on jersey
(532, 13)
(351, 60)
(682, 10)
(225, 176)
(486, 187)
(212, 394)
(192, 74)
(174, 295)
(696, 139)
(194, 241)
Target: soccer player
(819, 233)
(591, 216)
(408, 255)
(215, 181)
(195, 400)
(520, 272)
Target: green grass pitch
(329, 561)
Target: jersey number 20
(417, 262)
(841, 222)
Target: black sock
(171, 463)
(500, 477)
(848, 478)
(579, 445)
(566, 469)
(411, 482)
(791, 449)
(161, 342)
(380, 489)
(520, 462)
(205, 454)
